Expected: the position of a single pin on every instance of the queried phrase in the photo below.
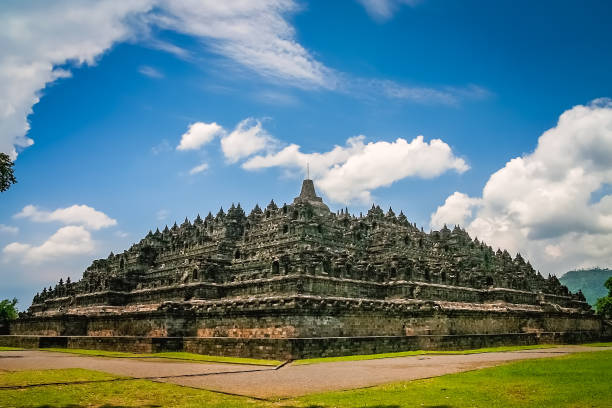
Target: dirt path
(288, 381)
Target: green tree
(7, 177)
(604, 304)
(8, 311)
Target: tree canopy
(604, 304)
(7, 176)
(8, 311)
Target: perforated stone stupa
(299, 280)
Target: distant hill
(590, 281)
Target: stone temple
(301, 281)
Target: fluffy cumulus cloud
(198, 135)
(345, 174)
(67, 241)
(350, 173)
(456, 210)
(554, 203)
(37, 37)
(247, 138)
(77, 215)
(72, 239)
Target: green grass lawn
(10, 348)
(168, 355)
(34, 377)
(578, 380)
(115, 392)
(598, 344)
(420, 352)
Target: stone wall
(303, 316)
(341, 346)
(316, 285)
(151, 324)
(295, 348)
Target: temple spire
(308, 190)
(309, 195)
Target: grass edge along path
(575, 380)
(608, 344)
(250, 361)
(192, 357)
(28, 378)
(360, 357)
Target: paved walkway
(287, 381)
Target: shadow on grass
(101, 406)
(438, 406)
(374, 406)
(387, 406)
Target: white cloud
(394, 90)
(169, 48)
(199, 134)
(199, 168)
(37, 37)
(275, 97)
(554, 251)
(254, 33)
(446, 95)
(162, 214)
(8, 229)
(545, 204)
(41, 42)
(67, 241)
(150, 72)
(457, 208)
(291, 157)
(77, 214)
(375, 89)
(350, 173)
(382, 10)
(247, 138)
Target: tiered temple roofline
(305, 238)
(301, 271)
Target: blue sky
(111, 91)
